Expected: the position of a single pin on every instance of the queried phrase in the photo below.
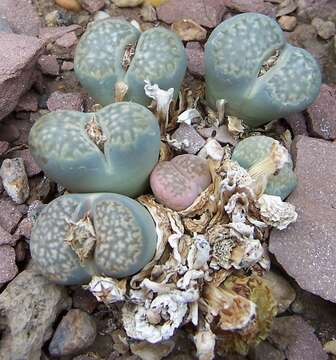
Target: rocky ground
(42, 320)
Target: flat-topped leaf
(81, 235)
(113, 150)
(113, 50)
(249, 64)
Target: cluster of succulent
(194, 250)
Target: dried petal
(106, 289)
(276, 212)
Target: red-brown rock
(92, 6)
(48, 34)
(307, 249)
(8, 268)
(65, 101)
(27, 102)
(49, 65)
(296, 338)
(322, 114)
(10, 214)
(21, 15)
(195, 55)
(18, 56)
(259, 6)
(206, 13)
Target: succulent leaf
(113, 150)
(113, 50)
(254, 150)
(83, 235)
(249, 64)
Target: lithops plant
(113, 150)
(178, 182)
(249, 64)
(269, 164)
(78, 236)
(113, 54)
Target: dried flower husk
(253, 288)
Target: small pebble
(76, 331)
(65, 101)
(195, 55)
(4, 145)
(49, 65)
(189, 30)
(178, 182)
(190, 140)
(67, 66)
(72, 5)
(92, 6)
(287, 23)
(15, 180)
(30, 165)
(148, 13)
(325, 29)
(84, 300)
(67, 41)
(127, 3)
(8, 268)
(24, 229)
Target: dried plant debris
(208, 266)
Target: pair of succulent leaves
(115, 149)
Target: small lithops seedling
(267, 161)
(113, 150)
(81, 235)
(113, 53)
(178, 182)
(249, 64)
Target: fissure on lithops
(269, 63)
(95, 133)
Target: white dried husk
(199, 249)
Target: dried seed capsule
(249, 64)
(114, 51)
(81, 235)
(268, 162)
(113, 150)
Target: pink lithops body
(178, 182)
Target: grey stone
(307, 249)
(325, 29)
(209, 13)
(8, 268)
(4, 25)
(21, 15)
(16, 68)
(321, 114)
(76, 331)
(195, 55)
(29, 306)
(296, 338)
(191, 140)
(84, 300)
(30, 165)
(308, 9)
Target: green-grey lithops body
(255, 154)
(249, 64)
(113, 150)
(113, 51)
(81, 235)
